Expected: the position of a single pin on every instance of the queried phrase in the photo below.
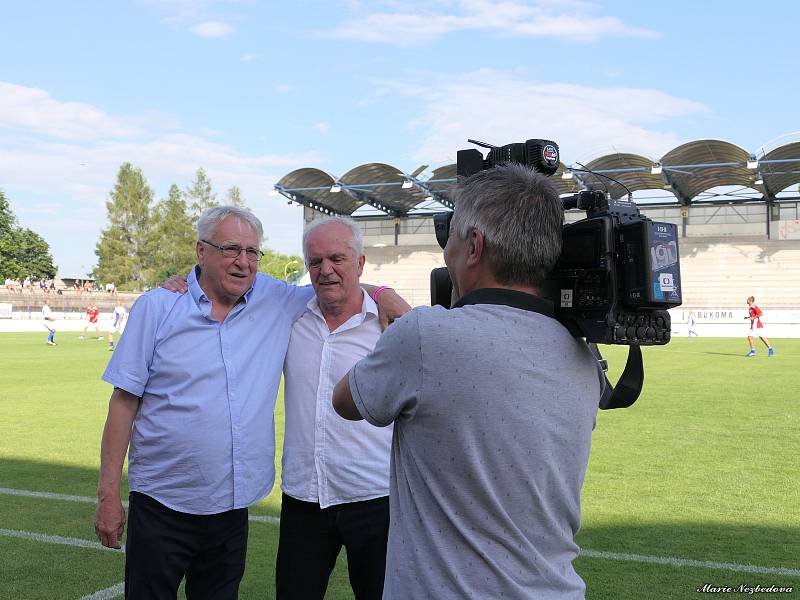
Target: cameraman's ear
(476, 248)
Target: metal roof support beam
(300, 198)
(581, 179)
(769, 203)
(680, 194)
(366, 198)
(438, 196)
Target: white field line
(47, 495)
(56, 539)
(115, 591)
(661, 560)
(264, 519)
(686, 562)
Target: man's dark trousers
(310, 540)
(163, 545)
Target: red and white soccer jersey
(756, 326)
(91, 314)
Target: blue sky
(252, 90)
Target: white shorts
(757, 332)
(49, 325)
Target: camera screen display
(579, 250)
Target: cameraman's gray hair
(521, 216)
(213, 216)
(356, 237)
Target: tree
(200, 195)
(7, 219)
(123, 250)
(23, 252)
(281, 266)
(235, 198)
(173, 239)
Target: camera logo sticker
(550, 154)
(664, 255)
(667, 282)
(566, 298)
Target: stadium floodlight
(567, 175)
(336, 188)
(752, 163)
(407, 184)
(759, 181)
(656, 169)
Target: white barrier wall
(21, 321)
(732, 322)
(711, 322)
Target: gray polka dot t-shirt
(493, 408)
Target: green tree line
(23, 252)
(146, 242)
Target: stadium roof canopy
(698, 172)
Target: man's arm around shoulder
(109, 518)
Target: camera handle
(630, 382)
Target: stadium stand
(723, 272)
(737, 213)
(405, 268)
(716, 272)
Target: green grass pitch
(704, 467)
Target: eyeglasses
(234, 250)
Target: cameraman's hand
(176, 283)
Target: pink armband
(374, 295)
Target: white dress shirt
(327, 459)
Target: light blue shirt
(203, 439)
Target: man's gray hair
(356, 237)
(213, 216)
(521, 216)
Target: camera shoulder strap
(630, 382)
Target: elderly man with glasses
(195, 380)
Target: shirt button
(237, 462)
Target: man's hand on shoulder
(176, 283)
(390, 307)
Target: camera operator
(493, 405)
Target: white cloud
(499, 108)
(58, 174)
(187, 11)
(283, 88)
(213, 29)
(249, 57)
(415, 23)
(34, 110)
(321, 127)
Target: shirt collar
(507, 297)
(368, 307)
(200, 296)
